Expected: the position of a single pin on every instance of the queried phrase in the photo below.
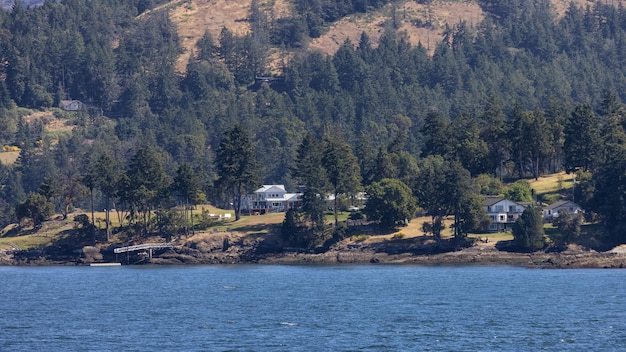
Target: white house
(502, 212)
(270, 198)
(552, 211)
(72, 105)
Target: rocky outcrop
(233, 248)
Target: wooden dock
(149, 247)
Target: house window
(276, 205)
(502, 217)
(499, 208)
(511, 208)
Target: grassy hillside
(420, 22)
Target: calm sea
(311, 308)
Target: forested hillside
(520, 93)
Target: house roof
(490, 200)
(268, 188)
(493, 200)
(284, 198)
(560, 204)
(292, 196)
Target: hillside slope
(420, 22)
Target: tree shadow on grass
(65, 247)
(17, 231)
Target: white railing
(142, 246)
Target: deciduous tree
(35, 207)
(390, 202)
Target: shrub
(528, 230)
(361, 238)
(398, 236)
(340, 231)
(204, 220)
(81, 221)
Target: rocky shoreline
(229, 249)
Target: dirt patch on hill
(51, 123)
(419, 22)
(194, 18)
(8, 158)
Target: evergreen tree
(568, 225)
(311, 175)
(436, 134)
(582, 139)
(108, 173)
(384, 167)
(187, 186)
(462, 200)
(342, 170)
(148, 184)
(609, 197)
(236, 166)
(528, 231)
(428, 188)
(539, 140)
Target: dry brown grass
(50, 122)
(551, 183)
(8, 158)
(194, 17)
(439, 13)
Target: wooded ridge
(523, 91)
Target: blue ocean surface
(311, 308)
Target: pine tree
(582, 139)
(236, 166)
(342, 170)
(311, 175)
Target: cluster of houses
(502, 212)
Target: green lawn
(493, 237)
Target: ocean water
(311, 308)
